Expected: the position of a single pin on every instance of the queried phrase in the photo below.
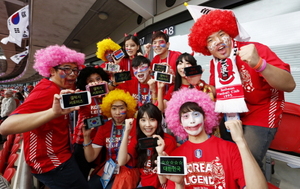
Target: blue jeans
(259, 139)
(65, 176)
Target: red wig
(208, 24)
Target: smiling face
(148, 125)
(131, 48)
(94, 78)
(142, 72)
(219, 44)
(160, 46)
(118, 111)
(63, 80)
(192, 122)
(181, 65)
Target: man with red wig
(264, 77)
(44, 124)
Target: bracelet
(85, 145)
(258, 64)
(263, 67)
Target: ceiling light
(76, 41)
(103, 15)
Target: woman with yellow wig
(117, 105)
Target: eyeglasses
(69, 71)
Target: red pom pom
(96, 66)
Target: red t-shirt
(85, 112)
(111, 139)
(148, 175)
(132, 86)
(126, 65)
(263, 101)
(47, 146)
(170, 59)
(214, 163)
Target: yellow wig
(118, 94)
(106, 45)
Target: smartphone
(75, 99)
(171, 165)
(193, 70)
(93, 122)
(122, 76)
(160, 67)
(112, 67)
(118, 54)
(163, 77)
(96, 90)
(147, 142)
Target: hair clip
(135, 34)
(82, 66)
(153, 32)
(97, 66)
(165, 32)
(125, 34)
(192, 53)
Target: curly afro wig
(206, 25)
(55, 55)
(106, 45)
(190, 95)
(118, 94)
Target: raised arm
(123, 156)
(20, 123)
(253, 175)
(90, 153)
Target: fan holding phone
(150, 141)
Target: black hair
(153, 112)
(187, 57)
(190, 106)
(138, 60)
(135, 40)
(87, 72)
(159, 34)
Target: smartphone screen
(122, 76)
(147, 142)
(160, 67)
(193, 70)
(75, 99)
(171, 165)
(163, 77)
(97, 89)
(93, 122)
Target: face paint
(141, 68)
(62, 75)
(160, 43)
(108, 56)
(141, 73)
(192, 122)
(123, 112)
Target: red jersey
(214, 163)
(170, 59)
(139, 91)
(125, 65)
(264, 102)
(148, 175)
(47, 146)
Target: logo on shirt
(198, 153)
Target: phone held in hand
(193, 70)
(75, 99)
(112, 67)
(93, 122)
(160, 67)
(163, 77)
(122, 76)
(97, 90)
(118, 54)
(147, 142)
(171, 165)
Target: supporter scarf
(230, 94)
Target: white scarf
(229, 89)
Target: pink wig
(55, 55)
(190, 95)
(208, 24)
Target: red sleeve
(168, 95)
(212, 74)
(103, 133)
(170, 143)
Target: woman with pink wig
(211, 162)
(44, 124)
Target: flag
(17, 25)
(197, 11)
(18, 57)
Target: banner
(197, 11)
(17, 25)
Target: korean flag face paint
(141, 72)
(192, 122)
